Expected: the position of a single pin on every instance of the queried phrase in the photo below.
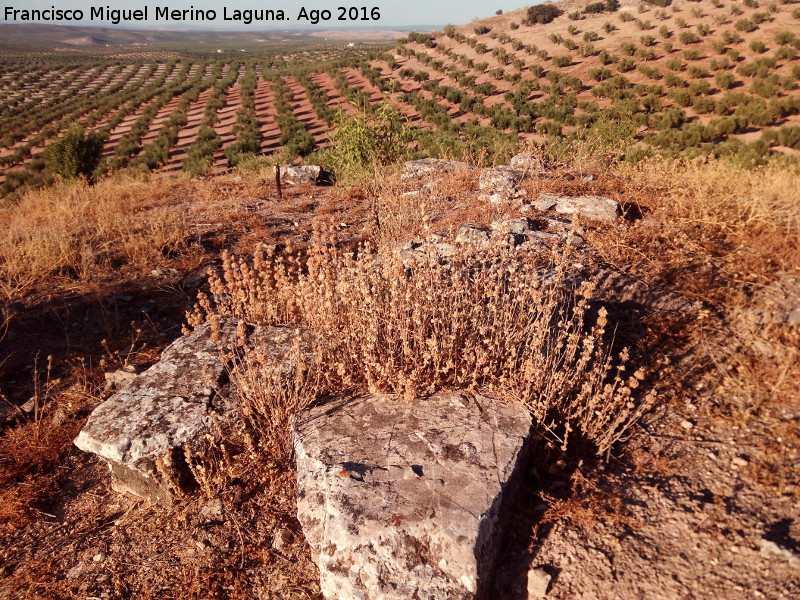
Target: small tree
(361, 142)
(74, 154)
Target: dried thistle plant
(487, 320)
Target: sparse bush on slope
(74, 154)
(542, 14)
(360, 142)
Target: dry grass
(402, 213)
(723, 234)
(81, 233)
(32, 452)
(715, 229)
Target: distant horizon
(412, 14)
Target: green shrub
(600, 74)
(674, 64)
(359, 143)
(594, 8)
(542, 13)
(682, 97)
(605, 58)
(703, 105)
(562, 61)
(645, 54)
(74, 154)
(625, 64)
(673, 80)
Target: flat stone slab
(143, 430)
(402, 499)
(599, 208)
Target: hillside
(565, 367)
(687, 78)
(691, 77)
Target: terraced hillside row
(704, 76)
(635, 77)
(198, 117)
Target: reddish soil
(356, 79)
(162, 115)
(124, 127)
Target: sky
(395, 13)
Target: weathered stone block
(403, 499)
(592, 207)
(143, 430)
(526, 162)
(497, 179)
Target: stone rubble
(403, 499)
(528, 163)
(117, 380)
(769, 549)
(538, 582)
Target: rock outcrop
(403, 499)
(143, 430)
(498, 185)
